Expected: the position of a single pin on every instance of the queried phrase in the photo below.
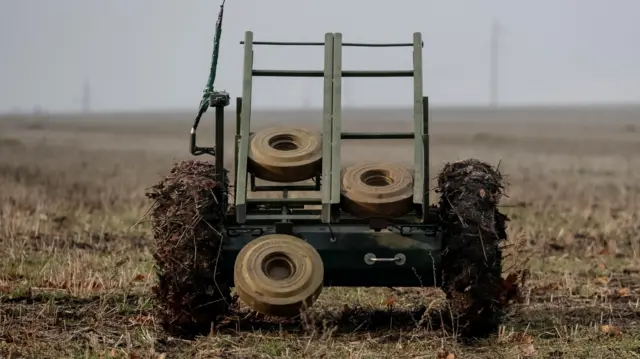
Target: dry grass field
(76, 263)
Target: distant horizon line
(533, 106)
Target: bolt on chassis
(279, 252)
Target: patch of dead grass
(76, 271)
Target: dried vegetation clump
(473, 232)
(186, 218)
(470, 191)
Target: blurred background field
(77, 269)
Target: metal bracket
(284, 227)
(219, 99)
(371, 259)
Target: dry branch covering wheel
(189, 295)
(278, 275)
(377, 190)
(473, 229)
(282, 154)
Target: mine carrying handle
(348, 44)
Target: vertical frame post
(245, 129)
(219, 136)
(327, 128)
(418, 128)
(336, 132)
(236, 143)
(425, 157)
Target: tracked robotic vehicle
(360, 226)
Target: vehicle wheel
(281, 154)
(473, 230)
(278, 275)
(189, 295)
(377, 190)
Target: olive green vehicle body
(355, 251)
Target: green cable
(208, 90)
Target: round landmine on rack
(279, 275)
(377, 190)
(281, 154)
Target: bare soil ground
(77, 269)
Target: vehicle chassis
(399, 252)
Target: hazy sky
(155, 54)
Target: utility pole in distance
(494, 55)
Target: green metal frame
(356, 252)
(328, 181)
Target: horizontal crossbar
(364, 44)
(377, 136)
(317, 73)
(286, 217)
(349, 44)
(283, 200)
(286, 43)
(292, 188)
(283, 187)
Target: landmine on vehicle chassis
(372, 224)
